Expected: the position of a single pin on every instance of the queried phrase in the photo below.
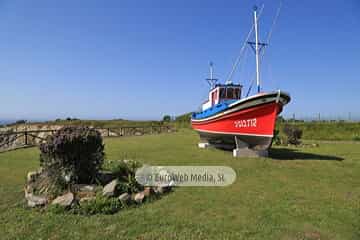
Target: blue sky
(144, 59)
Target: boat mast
(257, 46)
(257, 49)
(212, 81)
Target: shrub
(183, 121)
(99, 205)
(293, 134)
(276, 139)
(166, 118)
(76, 153)
(280, 119)
(125, 173)
(356, 138)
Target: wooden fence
(10, 140)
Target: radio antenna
(211, 80)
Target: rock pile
(39, 194)
(73, 176)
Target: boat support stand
(242, 150)
(203, 143)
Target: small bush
(183, 121)
(100, 205)
(75, 153)
(356, 138)
(167, 118)
(293, 134)
(125, 173)
(276, 139)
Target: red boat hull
(253, 125)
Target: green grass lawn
(305, 193)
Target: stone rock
(31, 176)
(65, 200)
(28, 189)
(171, 184)
(160, 190)
(86, 199)
(85, 194)
(125, 197)
(109, 189)
(84, 188)
(163, 189)
(139, 197)
(34, 201)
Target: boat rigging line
(267, 41)
(236, 63)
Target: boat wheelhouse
(221, 95)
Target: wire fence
(320, 117)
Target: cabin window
(237, 93)
(222, 93)
(230, 93)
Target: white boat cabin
(222, 93)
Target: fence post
(26, 138)
(108, 132)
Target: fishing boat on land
(244, 124)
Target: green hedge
(327, 130)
